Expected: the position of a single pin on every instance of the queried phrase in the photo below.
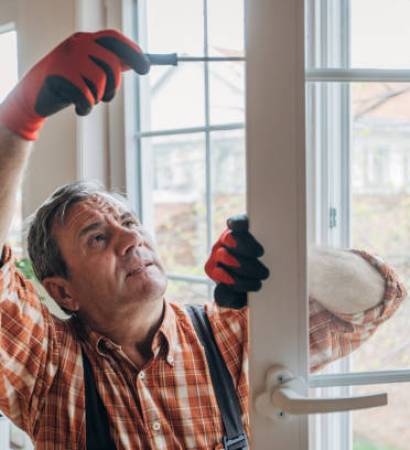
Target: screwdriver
(172, 59)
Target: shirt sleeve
(27, 346)
(335, 335)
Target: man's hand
(82, 70)
(234, 265)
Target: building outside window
(190, 129)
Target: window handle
(281, 398)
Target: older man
(125, 350)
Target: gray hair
(45, 254)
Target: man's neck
(133, 329)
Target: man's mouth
(138, 270)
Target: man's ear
(60, 290)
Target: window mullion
(337, 75)
(328, 126)
(208, 163)
(208, 156)
(360, 378)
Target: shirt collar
(98, 342)
(165, 337)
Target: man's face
(110, 257)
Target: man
(97, 261)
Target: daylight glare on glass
(380, 34)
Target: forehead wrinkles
(94, 207)
(106, 205)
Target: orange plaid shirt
(170, 403)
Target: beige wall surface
(67, 144)
(40, 26)
(8, 11)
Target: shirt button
(156, 426)
(141, 375)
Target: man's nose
(129, 240)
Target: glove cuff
(15, 117)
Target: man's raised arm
(14, 153)
(81, 71)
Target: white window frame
(277, 205)
(142, 160)
(329, 62)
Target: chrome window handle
(282, 398)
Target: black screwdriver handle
(169, 59)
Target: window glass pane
(380, 33)
(174, 97)
(226, 27)
(383, 428)
(227, 100)
(228, 176)
(178, 196)
(380, 208)
(175, 26)
(185, 292)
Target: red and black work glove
(234, 264)
(82, 70)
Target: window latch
(332, 217)
(283, 397)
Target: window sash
(338, 163)
(358, 75)
(145, 207)
(327, 61)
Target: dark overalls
(97, 427)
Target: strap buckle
(237, 443)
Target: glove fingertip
(260, 252)
(265, 274)
(238, 223)
(108, 96)
(82, 109)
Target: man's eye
(130, 223)
(98, 238)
